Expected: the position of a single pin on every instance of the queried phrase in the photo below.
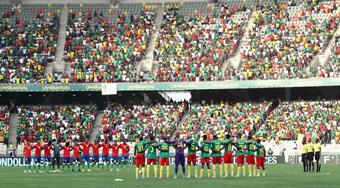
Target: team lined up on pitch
(85, 160)
(216, 146)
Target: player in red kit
(47, 155)
(105, 154)
(86, 154)
(76, 156)
(67, 156)
(95, 154)
(115, 156)
(125, 154)
(27, 156)
(37, 156)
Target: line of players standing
(81, 155)
(241, 146)
(309, 151)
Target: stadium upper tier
(196, 40)
(28, 41)
(54, 122)
(105, 43)
(190, 41)
(284, 40)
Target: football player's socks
(40, 167)
(249, 169)
(226, 169)
(92, 165)
(221, 169)
(98, 165)
(263, 172)
(258, 172)
(112, 164)
(189, 170)
(137, 170)
(68, 167)
(232, 169)
(244, 170)
(44, 166)
(25, 167)
(208, 173)
(117, 165)
(49, 166)
(84, 166)
(78, 166)
(202, 172)
(167, 171)
(155, 170)
(160, 171)
(147, 170)
(143, 171)
(214, 170)
(88, 166)
(29, 167)
(238, 170)
(196, 170)
(63, 166)
(254, 169)
(34, 166)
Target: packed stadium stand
(55, 122)
(221, 118)
(4, 124)
(104, 44)
(28, 37)
(222, 44)
(127, 120)
(284, 40)
(314, 118)
(196, 40)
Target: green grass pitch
(283, 175)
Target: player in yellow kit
(304, 155)
(310, 155)
(317, 148)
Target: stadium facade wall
(173, 86)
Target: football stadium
(169, 93)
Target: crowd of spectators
(194, 47)
(4, 124)
(128, 120)
(213, 118)
(315, 119)
(332, 69)
(284, 40)
(54, 122)
(102, 50)
(27, 45)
